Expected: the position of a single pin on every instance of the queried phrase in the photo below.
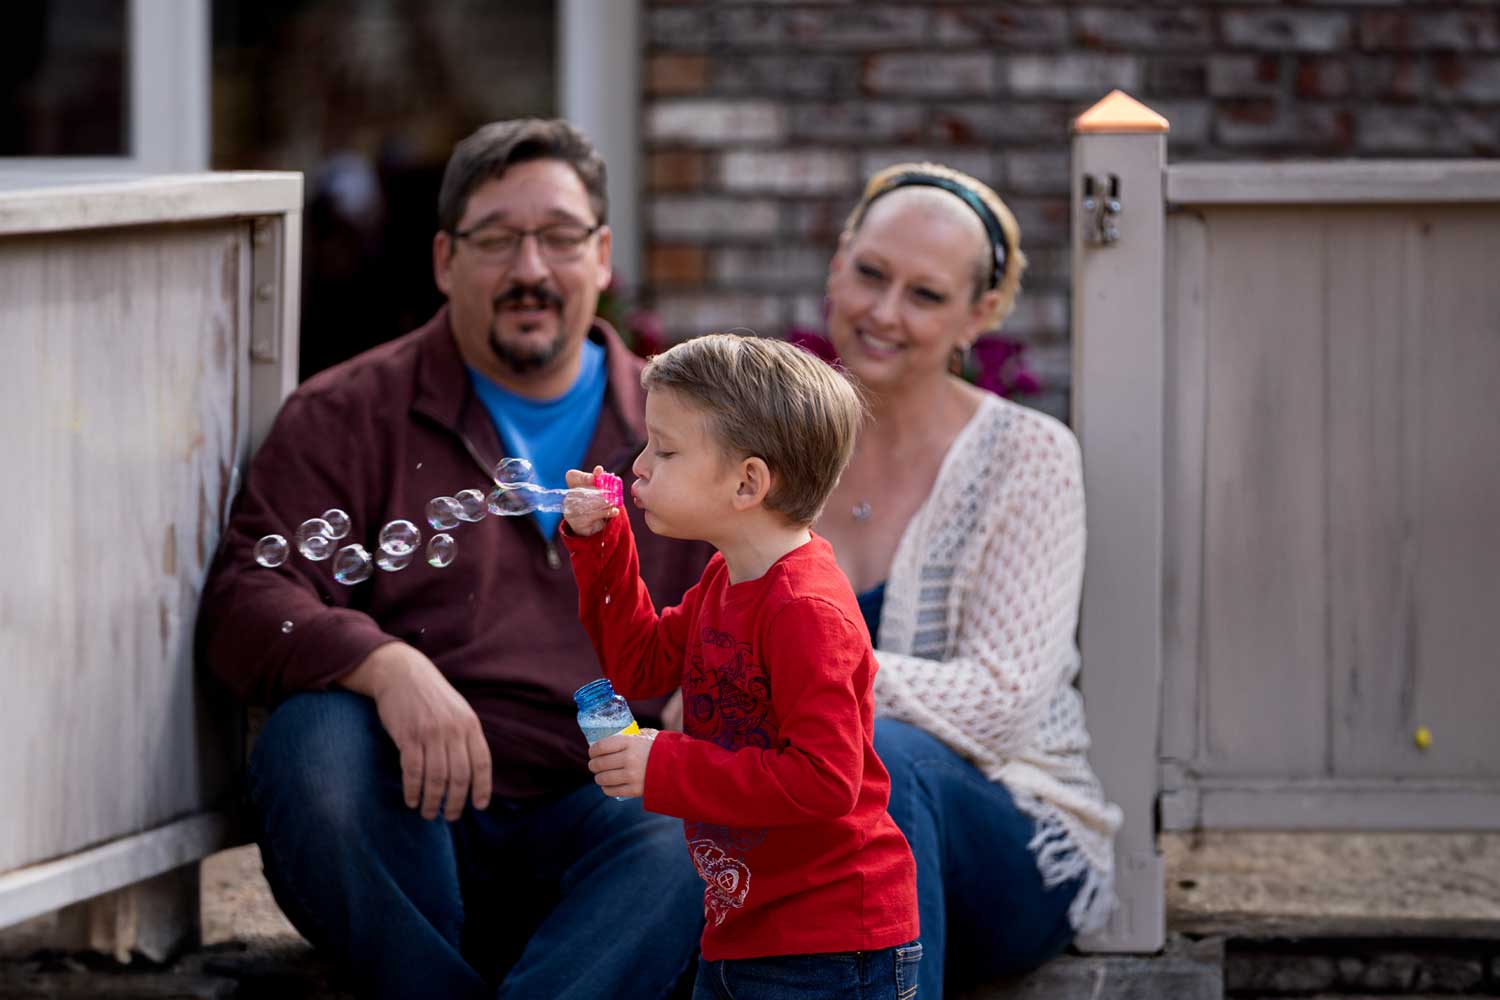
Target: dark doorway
(367, 98)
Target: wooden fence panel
(1264, 685)
(1331, 576)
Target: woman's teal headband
(992, 226)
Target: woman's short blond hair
(771, 400)
(1009, 284)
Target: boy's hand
(585, 517)
(619, 763)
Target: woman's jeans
(983, 908)
(887, 974)
(579, 896)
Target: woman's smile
(878, 346)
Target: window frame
(167, 45)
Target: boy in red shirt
(811, 888)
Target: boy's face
(684, 482)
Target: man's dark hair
(498, 146)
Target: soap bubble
(442, 513)
(514, 470)
(317, 547)
(392, 564)
(584, 501)
(509, 501)
(399, 538)
(271, 551)
(286, 627)
(338, 522)
(315, 539)
(313, 526)
(471, 505)
(441, 551)
(351, 565)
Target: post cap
(1119, 113)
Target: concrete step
(235, 970)
(1405, 967)
(1185, 970)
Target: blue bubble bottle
(603, 713)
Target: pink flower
(647, 335)
(813, 342)
(994, 352)
(999, 366)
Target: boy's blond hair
(769, 399)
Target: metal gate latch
(1101, 212)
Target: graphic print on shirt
(729, 694)
(727, 878)
(719, 854)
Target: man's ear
(442, 259)
(754, 483)
(604, 248)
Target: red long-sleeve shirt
(775, 775)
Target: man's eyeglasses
(561, 241)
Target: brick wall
(762, 118)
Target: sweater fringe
(1059, 860)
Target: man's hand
(443, 750)
(585, 516)
(619, 763)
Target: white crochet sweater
(977, 635)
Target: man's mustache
(528, 294)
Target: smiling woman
(959, 522)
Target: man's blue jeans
(983, 907)
(580, 896)
(887, 974)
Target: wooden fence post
(1119, 165)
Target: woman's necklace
(862, 510)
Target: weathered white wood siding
(136, 364)
(126, 359)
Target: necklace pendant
(861, 511)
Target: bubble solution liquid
(603, 713)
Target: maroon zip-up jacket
(379, 436)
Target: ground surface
(1243, 886)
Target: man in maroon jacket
(425, 809)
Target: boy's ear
(754, 483)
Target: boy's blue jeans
(579, 896)
(887, 974)
(983, 908)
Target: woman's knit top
(978, 642)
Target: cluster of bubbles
(399, 541)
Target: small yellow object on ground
(1422, 737)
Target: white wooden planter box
(147, 336)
